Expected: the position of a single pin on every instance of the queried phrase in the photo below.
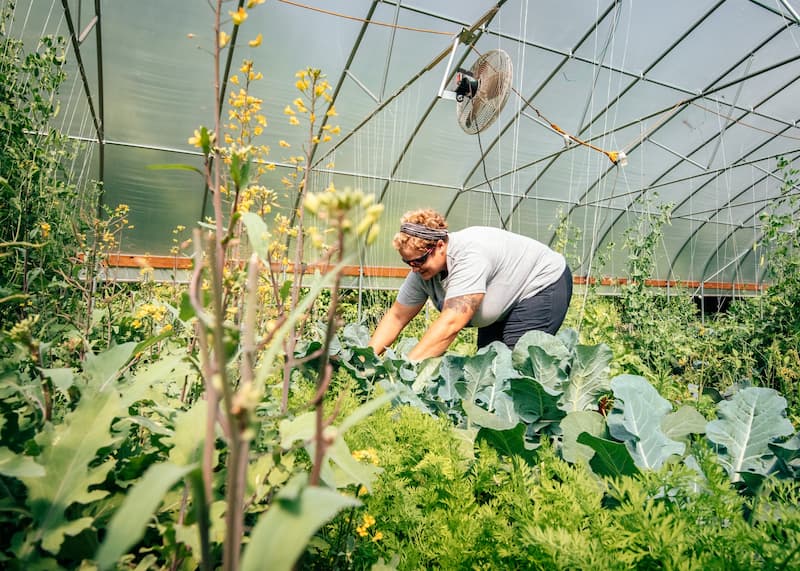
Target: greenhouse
(400, 284)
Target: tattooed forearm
(464, 303)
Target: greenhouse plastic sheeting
(700, 95)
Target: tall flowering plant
(249, 316)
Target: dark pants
(544, 311)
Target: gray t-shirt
(506, 267)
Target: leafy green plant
(40, 212)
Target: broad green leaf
(451, 372)
(610, 458)
(745, 426)
(298, 428)
(62, 378)
(509, 442)
(365, 410)
(356, 335)
(19, 465)
(486, 375)
(189, 435)
(486, 419)
(281, 534)
(129, 522)
(55, 536)
(533, 401)
(588, 378)
(788, 455)
(104, 367)
(258, 234)
(683, 422)
(478, 375)
(550, 344)
(572, 426)
(349, 471)
(427, 374)
(69, 449)
(636, 420)
(547, 369)
(303, 428)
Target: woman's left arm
(456, 314)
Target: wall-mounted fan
(482, 91)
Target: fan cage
(493, 70)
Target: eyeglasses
(417, 262)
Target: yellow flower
(45, 229)
(288, 110)
(223, 39)
(238, 17)
(336, 130)
(378, 536)
(284, 144)
(257, 42)
(194, 140)
(302, 84)
(293, 121)
(251, 3)
(332, 112)
(234, 79)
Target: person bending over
(503, 283)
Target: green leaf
(175, 166)
(186, 307)
(509, 442)
(19, 465)
(572, 426)
(129, 522)
(281, 534)
(69, 450)
(610, 458)
(745, 426)
(346, 469)
(104, 367)
(788, 455)
(551, 345)
(258, 234)
(636, 420)
(62, 378)
(533, 401)
(486, 419)
(588, 377)
(543, 357)
(186, 441)
(365, 410)
(683, 422)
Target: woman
(503, 283)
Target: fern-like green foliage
(438, 506)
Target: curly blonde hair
(427, 217)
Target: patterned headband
(422, 231)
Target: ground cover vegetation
(241, 422)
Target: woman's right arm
(392, 324)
